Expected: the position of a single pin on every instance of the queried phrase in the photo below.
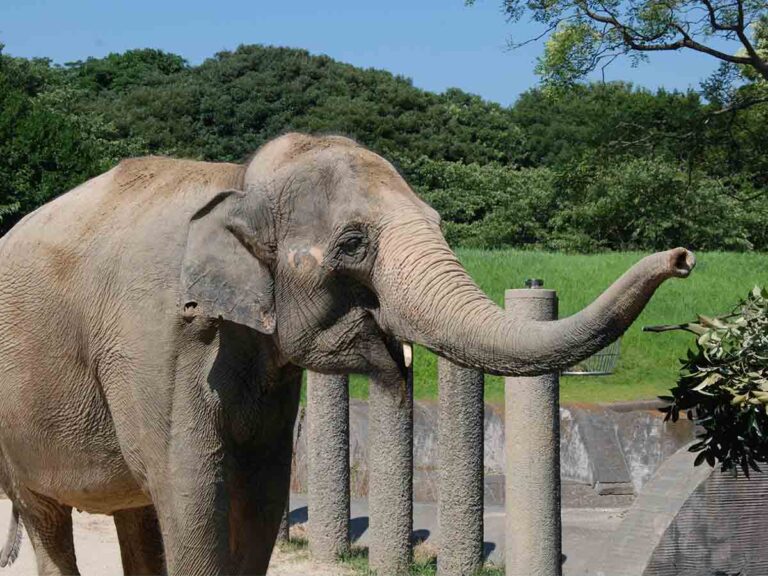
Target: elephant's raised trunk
(427, 297)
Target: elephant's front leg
(260, 481)
(192, 504)
(227, 525)
(258, 504)
(185, 477)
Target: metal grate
(599, 364)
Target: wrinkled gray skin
(154, 320)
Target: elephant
(156, 320)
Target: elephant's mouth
(401, 354)
(354, 343)
(381, 354)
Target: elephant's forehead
(356, 186)
(374, 197)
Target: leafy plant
(723, 385)
(583, 36)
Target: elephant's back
(133, 193)
(85, 282)
(142, 204)
(106, 251)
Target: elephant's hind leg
(141, 543)
(49, 526)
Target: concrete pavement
(587, 520)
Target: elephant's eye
(351, 246)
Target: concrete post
(532, 444)
(460, 449)
(328, 465)
(390, 487)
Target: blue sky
(437, 43)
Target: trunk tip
(680, 262)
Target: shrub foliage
(724, 386)
(602, 167)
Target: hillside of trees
(599, 167)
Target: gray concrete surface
(630, 547)
(608, 467)
(638, 436)
(690, 521)
(532, 448)
(460, 437)
(328, 466)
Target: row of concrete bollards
(533, 537)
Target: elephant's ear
(224, 273)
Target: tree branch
(551, 28)
(713, 18)
(738, 106)
(760, 65)
(630, 38)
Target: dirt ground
(98, 553)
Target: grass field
(649, 362)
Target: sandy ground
(98, 553)
(95, 545)
(585, 527)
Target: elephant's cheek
(304, 259)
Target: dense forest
(596, 167)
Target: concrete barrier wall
(720, 530)
(614, 448)
(690, 521)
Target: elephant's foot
(141, 543)
(49, 526)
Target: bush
(646, 203)
(638, 204)
(486, 206)
(724, 386)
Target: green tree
(121, 71)
(601, 167)
(647, 203)
(232, 103)
(45, 147)
(584, 35)
(488, 205)
(615, 118)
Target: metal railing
(601, 364)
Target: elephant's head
(329, 249)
